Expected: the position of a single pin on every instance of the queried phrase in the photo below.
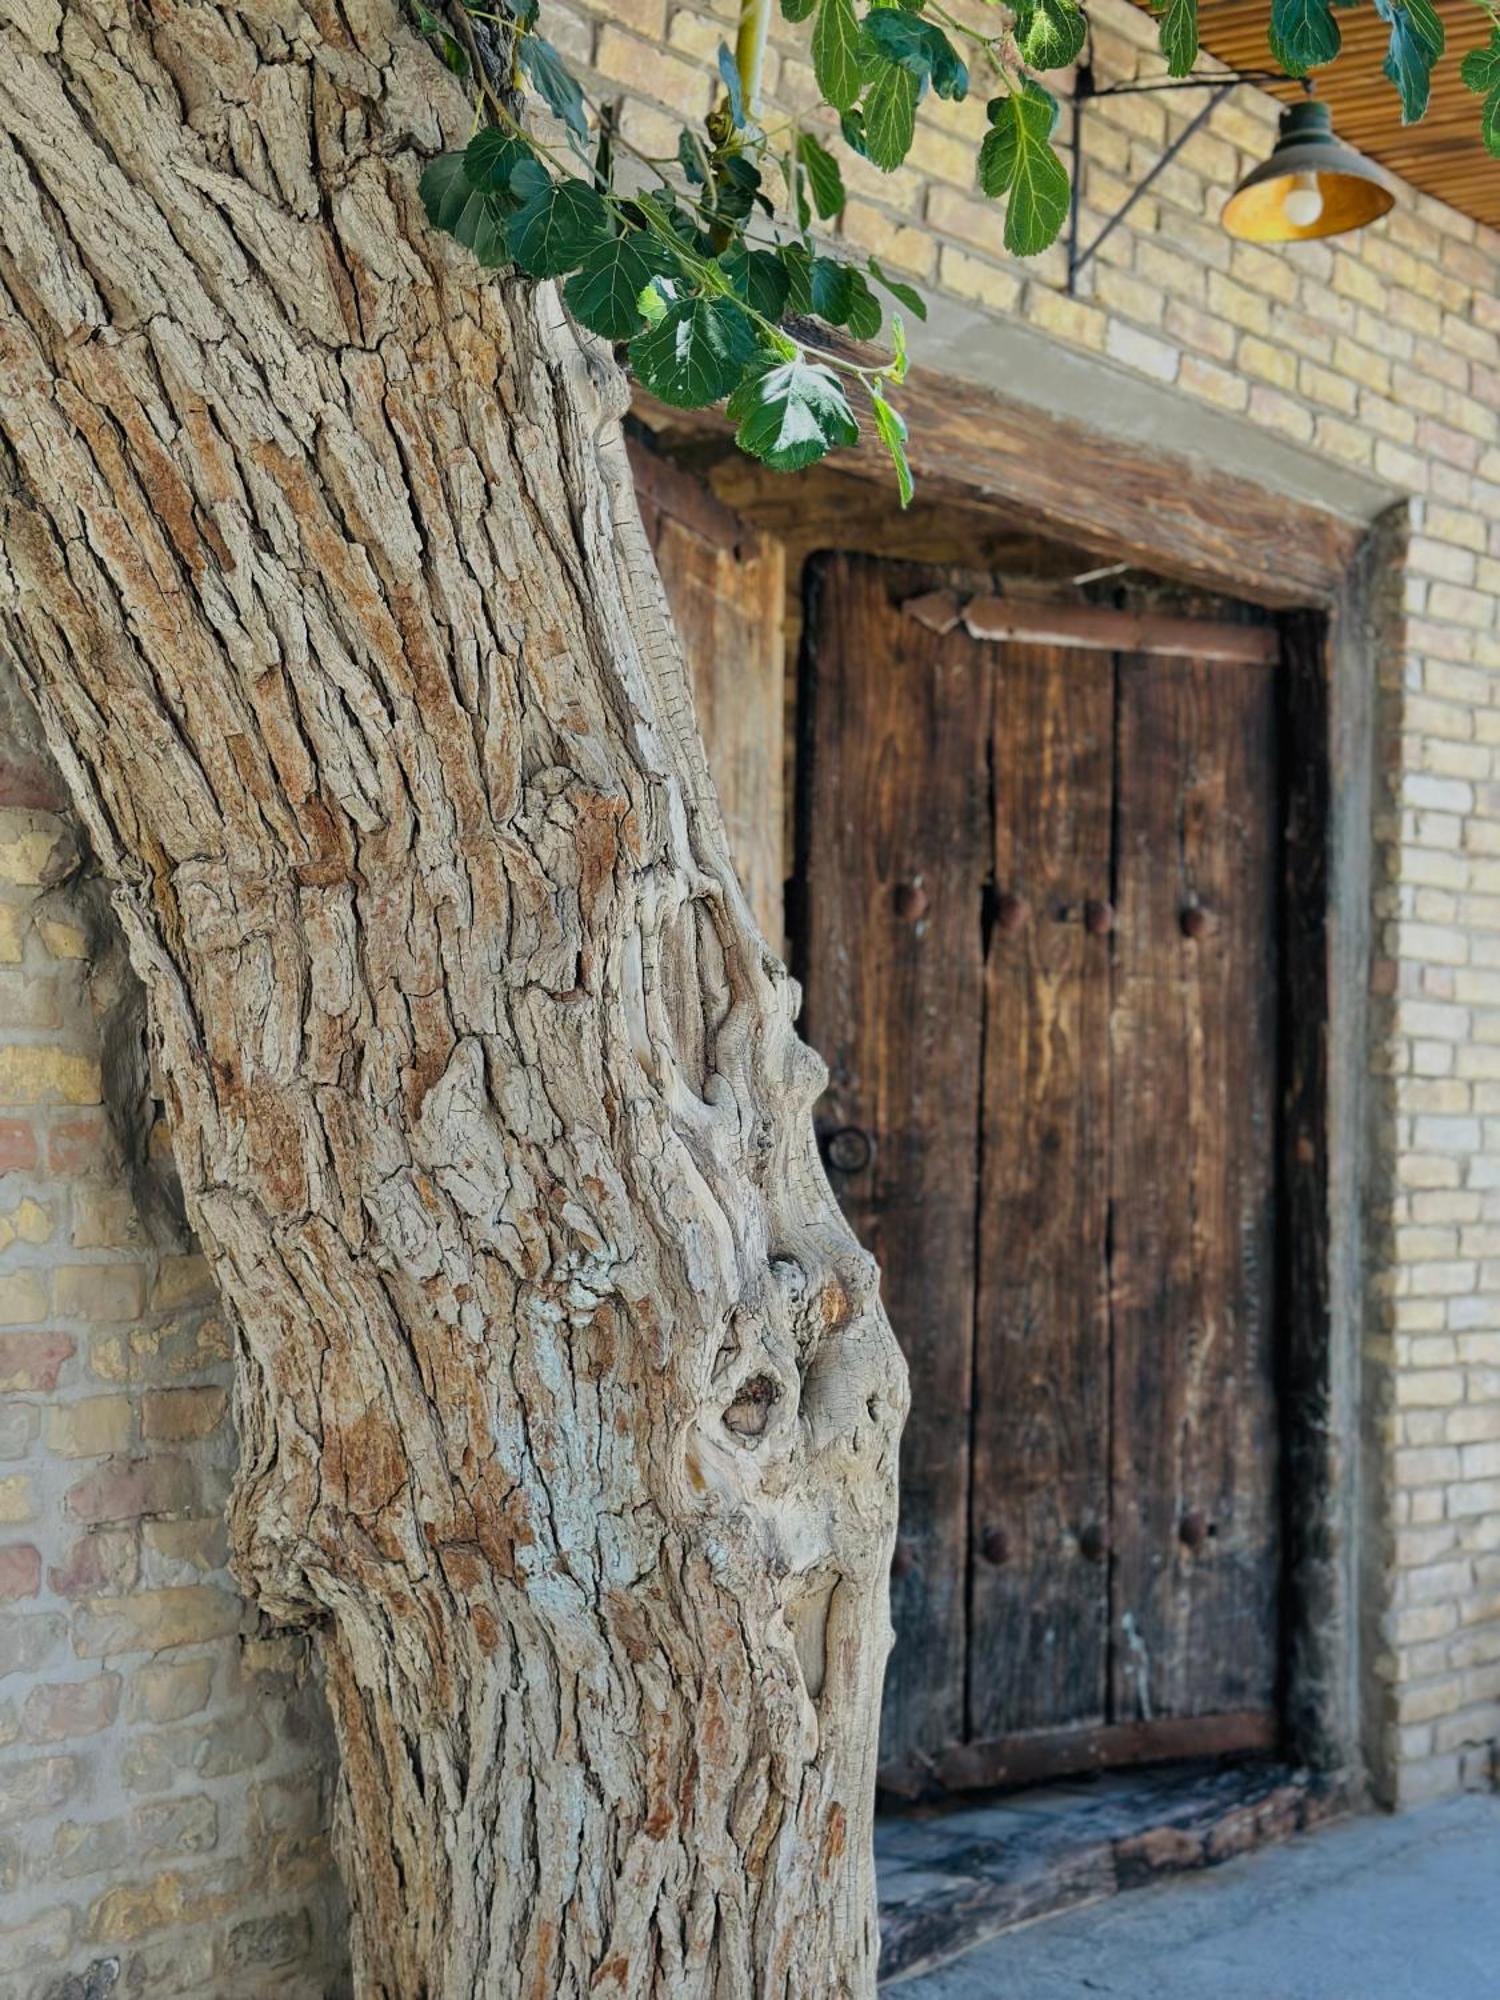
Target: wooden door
(1039, 938)
(726, 584)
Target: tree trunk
(567, 1406)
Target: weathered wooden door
(1038, 930)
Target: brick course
(163, 1780)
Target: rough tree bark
(567, 1406)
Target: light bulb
(1302, 204)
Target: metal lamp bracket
(1085, 90)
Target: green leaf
(909, 296)
(654, 301)
(862, 314)
(916, 45)
(899, 360)
(791, 414)
(737, 187)
(470, 215)
(696, 354)
(759, 278)
(605, 293)
(1481, 72)
(797, 262)
(693, 157)
(890, 116)
(797, 10)
(1417, 40)
(1017, 159)
(838, 293)
(729, 75)
(828, 289)
(838, 65)
(444, 188)
(491, 157)
(1179, 35)
(823, 175)
(1480, 69)
(1304, 34)
(1050, 33)
(454, 55)
(555, 84)
(557, 229)
(891, 426)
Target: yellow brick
(99, 1291)
(12, 934)
(35, 847)
(1281, 413)
(971, 220)
(1242, 308)
(971, 278)
(1267, 363)
(1345, 441)
(1326, 385)
(23, 1298)
(687, 87)
(153, 1620)
(178, 1414)
(63, 940)
(1072, 319)
(942, 156)
(15, 1498)
(870, 229)
(1213, 384)
(90, 1428)
(27, 1222)
(33, 1074)
(1191, 328)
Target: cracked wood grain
(567, 1406)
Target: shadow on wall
(165, 1763)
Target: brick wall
(162, 1773)
(162, 1766)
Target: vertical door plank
(1195, 1570)
(1038, 1648)
(895, 836)
(726, 584)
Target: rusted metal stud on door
(994, 1545)
(1098, 917)
(1092, 1542)
(910, 899)
(1011, 911)
(849, 1150)
(1197, 922)
(1192, 1529)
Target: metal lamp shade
(1354, 190)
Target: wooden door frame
(1324, 575)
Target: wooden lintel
(1127, 500)
(1102, 630)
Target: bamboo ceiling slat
(1442, 156)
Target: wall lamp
(1312, 185)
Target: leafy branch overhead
(710, 266)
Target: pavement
(1371, 1908)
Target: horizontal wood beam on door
(1097, 628)
(1060, 1753)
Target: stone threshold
(950, 1877)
